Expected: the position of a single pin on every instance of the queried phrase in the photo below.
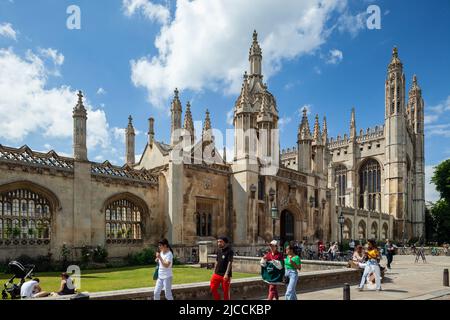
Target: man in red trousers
(222, 271)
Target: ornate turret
(353, 126)
(130, 142)
(395, 86)
(176, 111)
(207, 129)
(79, 130)
(255, 57)
(317, 134)
(325, 132)
(415, 108)
(304, 145)
(304, 133)
(151, 132)
(189, 123)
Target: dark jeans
(389, 257)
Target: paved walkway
(405, 281)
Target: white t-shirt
(164, 273)
(28, 288)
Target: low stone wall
(241, 289)
(252, 264)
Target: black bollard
(346, 291)
(446, 284)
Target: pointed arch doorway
(287, 228)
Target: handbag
(156, 273)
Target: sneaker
(379, 289)
(360, 289)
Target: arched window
(22, 217)
(341, 181)
(362, 230)
(203, 219)
(347, 229)
(385, 231)
(123, 220)
(370, 185)
(197, 223)
(374, 230)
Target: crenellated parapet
(370, 134)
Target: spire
(130, 142)
(188, 122)
(79, 116)
(151, 131)
(207, 130)
(264, 105)
(80, 104)
(325, 131)
(224, 155)
(130, 128)
(415, 87)
(395, 61)
(353, 125)
(175, 111)
(255, 57)
(244, 98)
(176, 104)
(317, 134)
(303, 131)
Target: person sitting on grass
(67, 287)
(32, 289)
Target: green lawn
(124, 278)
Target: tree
(441, 179)
(441, 215)
(440, 212)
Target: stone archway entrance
(287, 228)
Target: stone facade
(187, 192)
(380, 171)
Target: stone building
(186, 191)
(378, 174)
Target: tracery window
(370, 184)
(123, 220)
(24, 214)
(341, 180)
(203, 219)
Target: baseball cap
(274, 242)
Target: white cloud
(335, 56)
(352, 23)
(57, 58)
(205, 45)
(230, 117)
(428, 119)
(283, 121)
(317, 70)
(154, 12)
(101, 91)
(28, 106)
(7, 31)
(438, 130)
(430, 189)
(119, 133)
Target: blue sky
(137, 51)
